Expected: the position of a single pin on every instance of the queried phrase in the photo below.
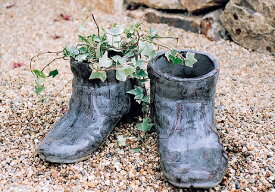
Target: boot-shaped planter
(183, 112)
(95, 108)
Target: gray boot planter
(183, 112)
(95, 108)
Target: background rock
(211, 26)
(188, 23)
(108, 6)
(251, 23)
(159, 4)
(198, 5)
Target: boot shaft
(181, 82)
(108, 98)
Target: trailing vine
(125, 50)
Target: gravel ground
(244, 109)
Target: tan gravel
(244, 103)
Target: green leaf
(83, 50)
(84, 39)
(121, 140)
(138, 92)
(99, 75)
(115, 30)
(121, 75)
(53, 73)
(190, 59)
(136, 150)
(39, 73)
(173, 56)
(104, 61)
(145, 99)
(143, 80)
(145, 125)
(38, 90)
(81, 57)
(140, 73)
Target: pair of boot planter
(182, 107)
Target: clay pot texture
(95, 108)
(182, 107)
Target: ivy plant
(123, 49)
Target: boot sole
(203, 185)
(54, 159)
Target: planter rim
(175, 78)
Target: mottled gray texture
(95, 108)
(182, 107)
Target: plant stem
(51, 62)
(158, 44)
(48, 52)
(95, 24)
(168, 37)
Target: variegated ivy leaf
(40, 81)
(120, 75)
(190, 59)
(119, 59)
(81, 57)
(99, 75)
(104, 61)
(123, 72)
(113, 40)
(153, 33)
(147, 49)
(121, 140)
(72, 52)
(138, 63)
(129, 70)
(115, 30)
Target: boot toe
(187, 178)
(187, 172)
(62, 151)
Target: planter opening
(202, 67)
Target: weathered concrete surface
(182, 107)
(251, 23)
